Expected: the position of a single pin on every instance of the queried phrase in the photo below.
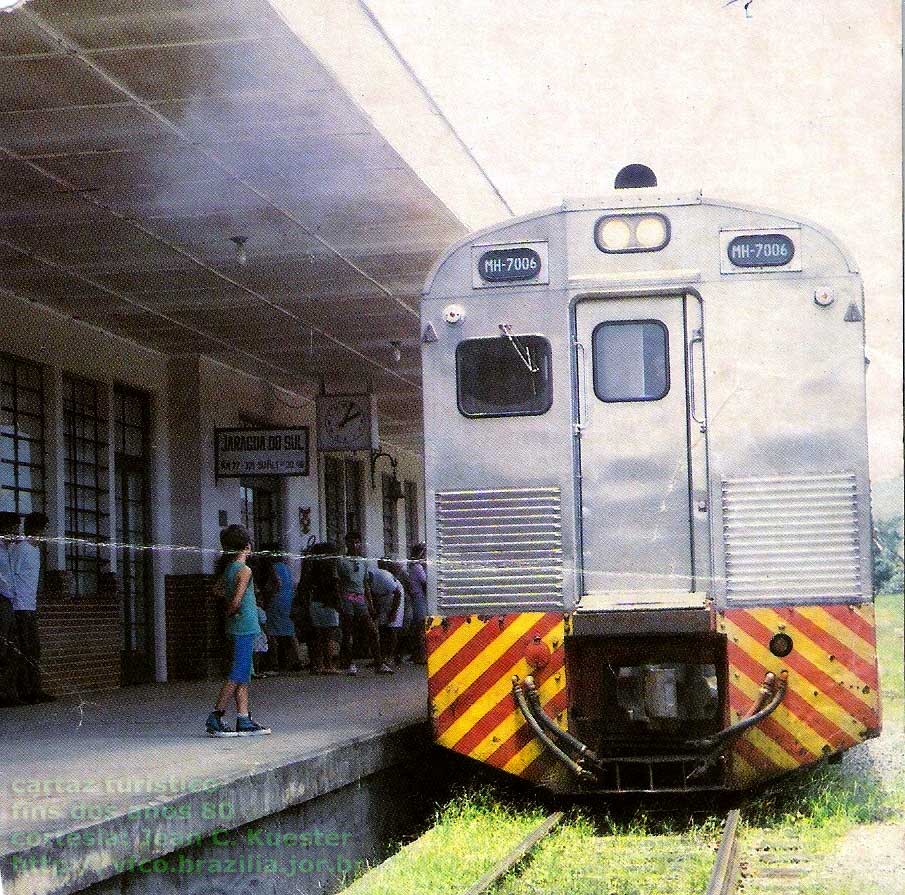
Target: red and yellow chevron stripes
(470, 664)
(832, 701)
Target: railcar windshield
(506, 376)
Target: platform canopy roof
(137, 140)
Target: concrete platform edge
(83, 855)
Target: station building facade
(194, 233)
(115, 442)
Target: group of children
(346, 595)
(339, 598)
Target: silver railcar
(647, 494)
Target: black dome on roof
(634, 176)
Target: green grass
(470, 834)
(820, 806)
(640, 856)
(889, 608)
(575, 860)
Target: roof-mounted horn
(633, 177)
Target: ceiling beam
(75, 51)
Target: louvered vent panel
(499, 548)
(792, 536)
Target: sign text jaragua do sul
(248, 452)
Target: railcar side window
(631, 360)
(504, 376)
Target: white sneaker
(352, 670)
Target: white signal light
(650, 232)
(644, 232)
(615, 234)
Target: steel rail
(724, 877)
(517, 854)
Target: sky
(796, 106)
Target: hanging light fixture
(394, 492)
(241, 254)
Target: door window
(85, 482)
(21, 436)
(262, 511)
(132, 483)
(390, 524)
(343, 499)
(631, 360)
(411, 514)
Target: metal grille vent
(792, 536)
(500, 548)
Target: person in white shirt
(9, 531)
(26, 565)
(389, 598)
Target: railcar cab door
(637, 453)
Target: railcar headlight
(616, 233)
(650, 232)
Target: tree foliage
(887, 554)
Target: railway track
(725, 874)
(724, 877)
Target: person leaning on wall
(9, 691)
(26, 561)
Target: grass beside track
(576, 860)
(822, 807)
(582, 855)
(469, 836)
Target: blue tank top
(245, 621)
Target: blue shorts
(323, 616)
(242, 647)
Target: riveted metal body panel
(772, 379)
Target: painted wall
(191, 396)
(63, 345)
(229, 398)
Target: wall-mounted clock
(346, 423)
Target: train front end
(647, 496)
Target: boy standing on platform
(242, 625)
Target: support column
(54, 471)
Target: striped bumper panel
(832, 702)
(471, 661)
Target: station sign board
(261, 452)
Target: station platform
(94, 785)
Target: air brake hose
(560, 733)
(521, 702)
(718, 741)
(740, 726)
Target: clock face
(344, 423)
